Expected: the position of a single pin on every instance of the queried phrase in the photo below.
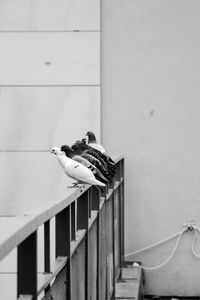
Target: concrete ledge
(130, 284)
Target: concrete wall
(40, 118)
(49, 15)
(151, 113)
(49, 92)
(49, 96)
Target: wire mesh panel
(102, 253)
(78, 272)
(109, 229)
(92, 271)
(58, 289)
(117, 232)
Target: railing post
(47, 247)
(121, 212)
(63, 241)
(83, 223)
(90, 201)
(113, 235)
(96, 198)
(47, 250)
(83, 211)
(73, 221)
(27, 266)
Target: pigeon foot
(75, 185)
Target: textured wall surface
(57, 58)
(49, 96)
(40, 118)
(151, 113)
(49, 92)
(46, 15)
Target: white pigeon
(75, 170)
(93, 142)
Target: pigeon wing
(82, 160)
(79, 172)
(98, 147)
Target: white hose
(156, 244)
(169, 258)
(197, 230)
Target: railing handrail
(18, 228)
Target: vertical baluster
(107, 246)
(96, 194)
(96, 206)
(83, 211)
(121, 213)
(47, 250)
(113, 240)
(82, 223)
(90, 201)
(27, 266)
(63, 241)
(123, 209)
(73, 220)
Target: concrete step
(130, 283)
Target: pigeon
(93, 142)
(104, 156)
(80, 147)
(95, 162)
(75, 170)
(104, 153)
(69, 152)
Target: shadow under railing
(89, 244)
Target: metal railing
(89, 245)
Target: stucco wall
(38, 118)
(49, 91)
(49, 96)
(151, 113)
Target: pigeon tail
(95, 182)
